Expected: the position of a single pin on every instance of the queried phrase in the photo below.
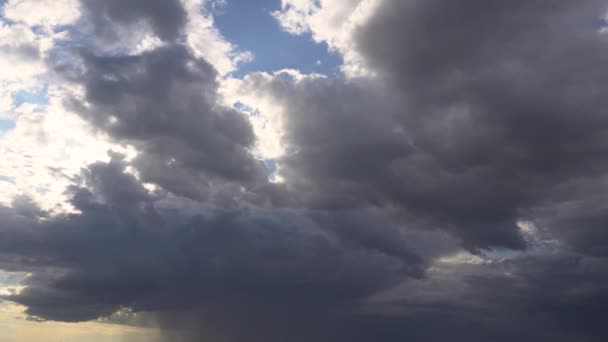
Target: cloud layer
(453, 187)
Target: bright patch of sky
(9, 180)
(6, 124)
(32, 96)
(250, 25)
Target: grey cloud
(166, 17)
(577, 216)
(22, 51)
(505, 99)
(348, 148)
(125, 250)
(481, 111)
(165, 103)
(557, 296)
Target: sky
(249, 25)
(303, 170)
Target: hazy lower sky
(303, 170)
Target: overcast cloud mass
(448, 182)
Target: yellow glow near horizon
(15, 328)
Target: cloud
(205, 40)
(346, 147)
(46, 13)
(491, 102)
(554, 296)
(454, 189)
(332, 22)
(151, 257)
(164, 103)
(20, 63)
(474, 124)
(46, 144)
(166, 18)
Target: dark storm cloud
(564, 294)
(348, 148)
(558, 297)
(124, 249)
(481, 111)
(505, 100)
(578, 216)
(166, 17)
(260, 275)
(484, 113)
(165, 103)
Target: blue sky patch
(241, 107)
(6, 125)
(3, 18)
(271, 164)
(249, 25)
(33, 96)
(7, 179)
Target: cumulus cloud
(154, 257)
(454, 189)
(356, 152)
(476, 122)
(39, 154)
(205, 40)
(164, 103)
(45, 13)
(20, 64)
(166, 18)
(332, 22)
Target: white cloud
(329, 21)
(205, 40)
(45, 13)
(22, 47)
(269, 115)
(200, 35)
(19, 66)
(45, 149)
(48, 143)
(268, 121)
